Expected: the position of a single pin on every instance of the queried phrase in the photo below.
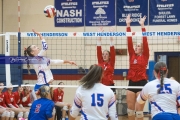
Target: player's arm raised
(44, 44)
(112, 50)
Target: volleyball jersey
(58, 95)
(166, 100)
(28, 101)
(41, 109)
(42, 68)
(18, 98)
(2, 103)
(138, 63)
(97, 103)
(107, 66)
(10, 100)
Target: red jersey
(25, 103)
(138, 63)
(9, 99)
(2, 103)
(108, 67)
(18, 98)
(58, 95)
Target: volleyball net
(81, 48)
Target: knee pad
(12, 114)
(53, 112)
(26, 114)
(139, 114)
(65, 108)
(20, 115)
(130, 112)
(5, 114)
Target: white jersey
(41, 66)
(97, 103)
(166, 100)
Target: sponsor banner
(69, 13)
(164, 12)
(100, 13)
(136, 8)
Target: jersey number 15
(97, 99)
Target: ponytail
(161, 73)
(28, 66)
(161, 80)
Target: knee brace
(130, 112)
(5, 114)
(12, 114)
(139, 114)
(20, 115)
(26, 114)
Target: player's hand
(111, 29)
(72, 63)
(142, 20)
(36, 32)
(128, 19)
(8, 109)
(100, 29)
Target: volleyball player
(18, 96)
(26, 101)
(138, 60)
(58, 95)
(106, 60)
(11, 103)
(94, 100)
(42, 108)
(43, 72)
(162, 94)
(5, 112)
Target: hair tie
(25, 48)
(163, 68)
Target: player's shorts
(166, 116)
(113, 89)
(36, 87)
(139, 83)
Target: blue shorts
(36, 87)
(166, 116)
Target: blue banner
(100, 13)
(24, 60)
(69, 13)
(135, 8)
(164, 12)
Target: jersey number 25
(165, 89)
(97, 99)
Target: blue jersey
(41, 109)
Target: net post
(151, 75)
(7, 65)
